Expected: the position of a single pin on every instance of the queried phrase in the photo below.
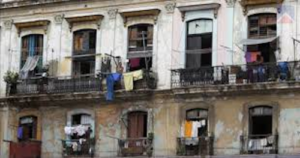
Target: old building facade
(215, 78)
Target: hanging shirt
(188, 128)
(20, 132)
(134, 63)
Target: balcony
(259, 144)
(195, 146)
(68, 84)
(135, 147)
(236, 75)
(42, 85)
(78, 148)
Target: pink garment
(134, 62)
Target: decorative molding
(8, 23)
(153, 12)
(112, 13)
(31, 24)
(170, 7)
(59, 19)
(252, 3)
(230, 3)
(96, 19)
(212, 6)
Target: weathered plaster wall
(228, 124)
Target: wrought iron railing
(135, 147)
(83, 83)
(78, 147)
(259, 144)
(195, 146)
(42, 85)
(236, 74)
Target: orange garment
(188, 128)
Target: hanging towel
(128, 81)
(130, 77)
(188, 129)
(110, 87)
(137, 75)
(196, 126)
(203, 123)
(20, 132)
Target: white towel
(203, 123)
(195, 126)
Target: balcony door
(84, 50)
(199, 43)
(32, 46)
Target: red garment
(134, 62)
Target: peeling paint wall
(228, 114)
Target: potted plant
(11, 79)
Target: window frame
(81, 56)
(259, 26)
(34, 128)
(203, 51)
(39, 51)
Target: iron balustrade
(259, 144)
(83, 83)
(236, 74)
(40, 85)
(78, 147)
(135, 147)
(195, 146)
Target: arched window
(27, 129)
(261, 121)
(140, 46)
(198, 117)
(199, 43)
(84, 49)
(32, 46)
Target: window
(260, 121)
(199, 43)
(262, 25)
(27, 128)
(32, 45)
(82, 119)
(198, 115)
(140, 39)
(84, 45)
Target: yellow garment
(137, 75)
(128, 81)
(130, 77)
(188, 128)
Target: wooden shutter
(137, 121)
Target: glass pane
(200, 26)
